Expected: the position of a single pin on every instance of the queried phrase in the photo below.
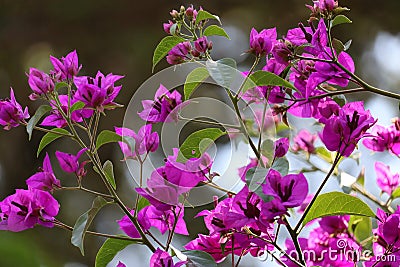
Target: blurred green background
(119, 37)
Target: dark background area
(118, 37)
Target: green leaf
(255, 177)
(223, 71)
(265, 78)
(84, 221)
(361, 177)
(142, 203)
(165, 45)
(76, 106)
(60, 85)
(198, 258)
(338, 45)
(109, 249)
(109, 172)
(324, 154)
(106, 137)
(347, 45)
(281, 165)
(340, 100)
(50, 137)
(337, 203)
(197, 143)
(215, 30)
(396, 193)
(193, 80)
(203, 15)
(340, 19)
(361, 227)
(268, 149)
(43, 109)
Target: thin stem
(368, 87)
(172, 231)
(295, 240)
(240, 258)
(330, 41)
(255, 63)
(94, 132)
(80, 188)
(339, 92)
(275, 244)
(218, 187)
(210, 122)
(155, 239)
(356, 187)
(140, 185)
(46, 130)
(233, 251)
(262, 123)
(70, 228)
(336, 161)
(243, 126)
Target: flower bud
(174, 14)
(167, 26)
(189, 12)
(195, 53)
(40, 82)
(210, 45)
(281, 52)
(201, 44)
(260, 43)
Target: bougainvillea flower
(159, 191)
(40, 83)
(163, 220)
(297, 36)
(383, 138)
(126, 225)
(70, 163)
(261, 42)
(57, 120)
(167, 26)
(144, 141)
(386, 180)
(11, 112)
(211, 245)
(291, 189)
(66, 68)
(120, 264)
(162, 108)
(179, 53)
(281, 147)
(202, 44)
(97, 92)
(189, 174)
(330, 73)
(304, 140)
(387, 245)
(161, 258)
(243, 170)
(323, 6)
(342, 132)
(26, 208)
(45, 179)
